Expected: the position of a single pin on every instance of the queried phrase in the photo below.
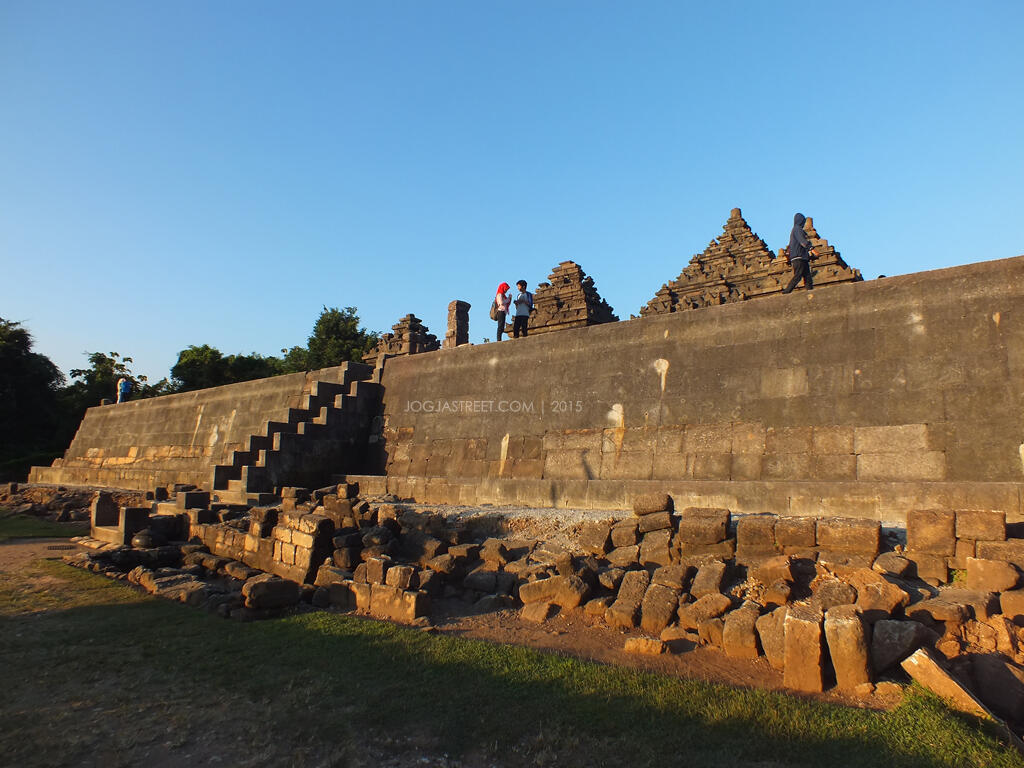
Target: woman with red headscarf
(502, 300)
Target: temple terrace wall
(865, 399)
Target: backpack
(494, 309)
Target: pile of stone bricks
(819, 598)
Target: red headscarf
(503, 288)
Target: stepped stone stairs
(331, 428)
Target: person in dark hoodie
(800, 254)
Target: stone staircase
(326, 434)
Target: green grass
(27, 527)
(106, 674)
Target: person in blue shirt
(523, 305)
(124, 388)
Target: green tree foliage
(29, 383)
(337, 338)
(205, 366)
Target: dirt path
(16, 553)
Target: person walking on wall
(501, 303)
(800, 255)
(124, 388)
(524, 305)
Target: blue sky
(216, 172)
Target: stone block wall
(177, 438)
(866, 399)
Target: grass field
(28, 527)
(96, 673)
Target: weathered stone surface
(480, 580)
(568, 299)
(926, 670)
(674, 576)
(778, 568)
(771, 630)
(624, 557)
(626, 608)
(1011, 550)
(495, 552)
(655, 548)
(610, 578)
(598, 605)
(538, 612)
(327, 575)
(624, 534)
(1011, 605)
(828, 593)
(377, 569)
(981, 524)
(658, 608)
(398, 605)
(890, 562)
(777, 593)
(849, 535)
(710, 631)
(796, 532)
(595, 538)
(703, 525)
(999, 684)
(647, 646)
(708, 579)
(656, 521)
(711, 606)
(401, 576)
(649, 503)
(931, 531)
(270, 591)
(339, 594)
(409, 336)
(991, 575)
(804, 655)
(755, 537)
(848, 646)
(892, 641)
(877, 600)
(932, 569)
(739, 634)
(940, 610)
(564, 591)
(723, 550)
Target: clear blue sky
(215, 172)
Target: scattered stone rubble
(829, 602)
(56, 503)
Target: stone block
(647, 646)
(710, 632)
(610, 578)
(964, 549)
(756, 533)
(739, 634)
(847, 641)
(692, 615)
(991, 575)
(361, 594)
(270, 591)
(772, 635)
(796, 532)
(930, 568)
(923, 667)
(649, 503)
(773, 569)
(655, 521)
(624, 612)
(339, 595)
(625, 534)
(777, 593)
(400, 576)
(538, 612)
(723, 550)
(595, 538)
(943, 611)
(902, 467)
(880, 600)
(377, 569)
(804, 656)
(327, 575)
(828, 593)
(1011, 605)
(703, 525)
(658, 608)
(655, 549)
(564, 591)
(931, 531)
(676, 577)
(893, 640)
(709, 579)
(999, 684)
(892, 563)
(624, 557)
(988, 525)
(845, 534)
(1010, 551)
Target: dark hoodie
(799, 245)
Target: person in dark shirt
(800, 255)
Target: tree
(205, 366)
(28, 394)
(336, 338)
